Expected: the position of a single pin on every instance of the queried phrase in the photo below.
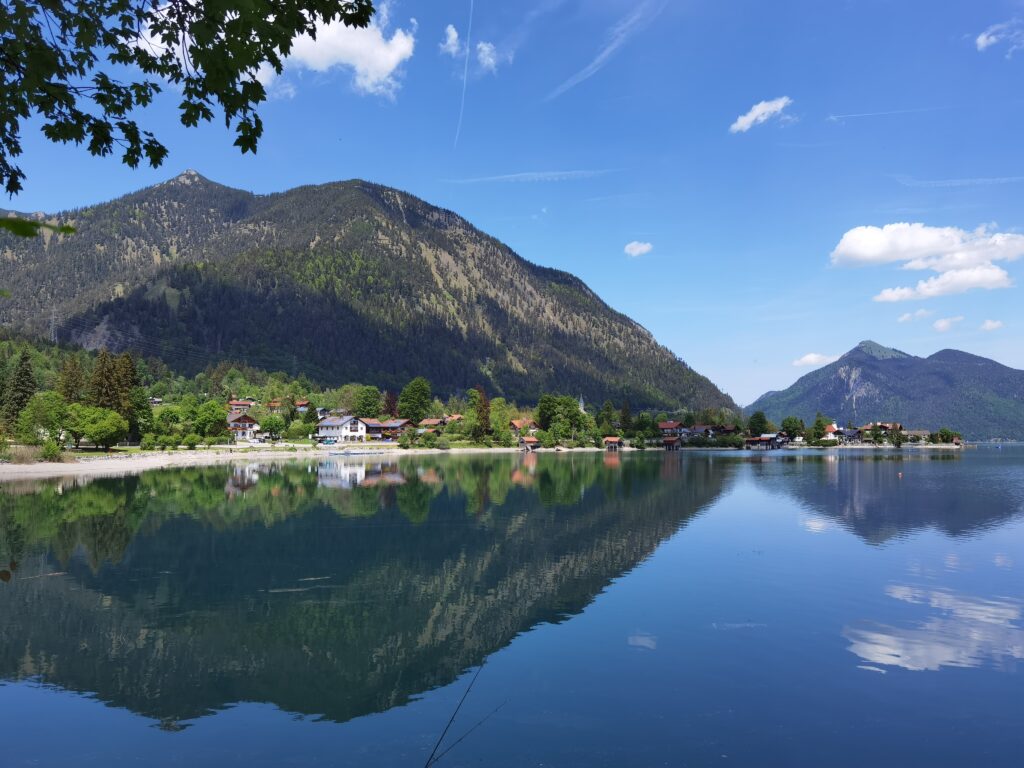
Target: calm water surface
(648, 610)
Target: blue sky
(793, 177)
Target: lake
(648, 609)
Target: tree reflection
(321, 589)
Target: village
(332, 428)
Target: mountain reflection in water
(336, 589)
(796, 609)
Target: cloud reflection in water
(969, 632)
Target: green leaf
(29, 228)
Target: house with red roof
(613, 443)
(523, 426)
(242, 427)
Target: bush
(547, 439)
(429, 440)
(169, 442)
(51, 451)
(298, 430)
(405, 440)
(443, 444)
(148, 442)
(192, 440)
(505, 439)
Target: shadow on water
(336, 589)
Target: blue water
(645, 609)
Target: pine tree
(72, 384)
(103, 388)
(126, 379)
(390, 404)
(483, 414)
(20, 388)
(626, 417)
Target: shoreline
(119, 465)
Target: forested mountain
(970, 394)
(345, 281)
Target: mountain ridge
(982, 398)
(387, 285)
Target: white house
(242, 426)
(341, 429)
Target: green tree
(415, 400)
(607, 415)
(367, 403)
(211, 419)
(140, 413)
(105, 427)
(626, 417)
(211, 52)
(758, 423)
(793, 427)
(72, 384)
(273, 425)
(20, 388)
(126, 379)
(876, 433)
(103, 387)
(43, 418)
(168, 419)
(78, 416)
(819, 427)
(482, 425)
(547, 409)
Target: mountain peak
(877, 351)
(189, 176)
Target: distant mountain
(348, 281)
(971, 394)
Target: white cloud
(618, 36)
(987, 276)
(909, 317)
(1010, 32)
(759, 113)
(487, 57)
(375, 58)
(636, 248)
(946, 323)
(814, 359)
(451, 45)
(964, 260)
(992, 325)
(923, 247)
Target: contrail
(837, 118)
(465, 74)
